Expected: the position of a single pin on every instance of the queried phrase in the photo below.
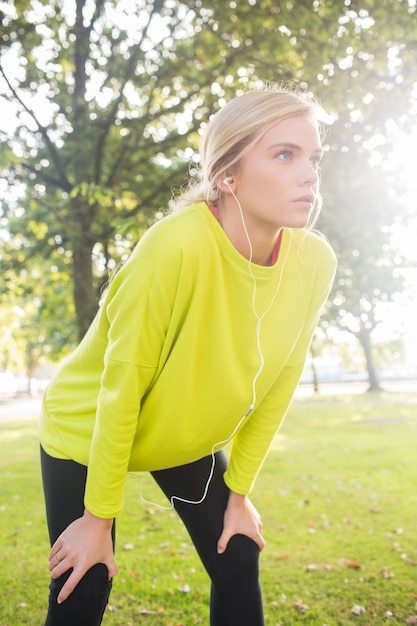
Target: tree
(361, 208)
(124, 87)
(38, 319)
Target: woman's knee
(87, 602)
(240, 560)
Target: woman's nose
(309, 174)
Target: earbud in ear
(227, 180)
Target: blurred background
(101, 106)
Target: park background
(101, 107)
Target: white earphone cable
(259, 319)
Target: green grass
(338, 500)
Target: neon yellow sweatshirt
(166, 369)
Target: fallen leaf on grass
(311, 567)
(146, 612)
(129, 546)
(330, 568)
(411, 621)
(159, 609)
(150, 511)
(185, 589)
(386, 573)
(357, 609)
(282, 557)
(300, 606)
(353, 564)
(408, 560)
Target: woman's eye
(285, 155)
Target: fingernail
(59, 601)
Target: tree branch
(63, 180)
(130, 66)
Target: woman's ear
(227, 184)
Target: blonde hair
(234, 130)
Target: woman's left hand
(240, 518)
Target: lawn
(338, 500)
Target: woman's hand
(240, 518)
(86, 542)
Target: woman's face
(277, 181)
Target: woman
(201, 339)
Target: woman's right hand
(84, 543)
(240, 518)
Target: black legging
(235, 591)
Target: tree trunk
(31, 364)
(313, 355)
(315, 377)
(364, 337)
(84, 293)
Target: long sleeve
(251, 444)
(253, 440)
(137, 311)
